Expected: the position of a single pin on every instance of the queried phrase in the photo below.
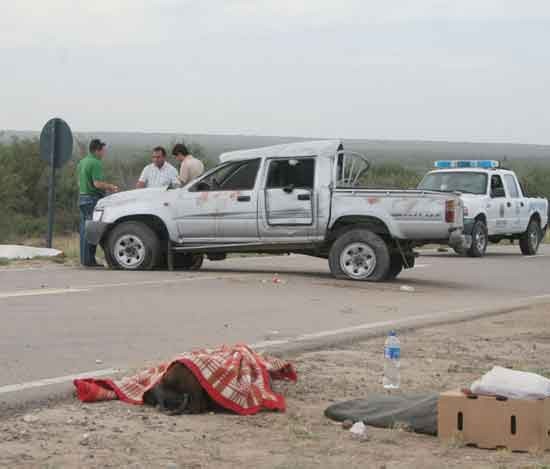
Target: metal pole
(51, 189)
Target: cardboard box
(491, 422)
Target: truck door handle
(243, 198)
(508, 204)
(521, 203)
(304, 197)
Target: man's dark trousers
(86, 204)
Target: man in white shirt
(191, 167)
(159, 173)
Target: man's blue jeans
(86, 204)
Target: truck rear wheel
(530, 240)
(133, 246)
(480, 239)
(360, 254)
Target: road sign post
(56, 148)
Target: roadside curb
(347, 336)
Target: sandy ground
(113, 434)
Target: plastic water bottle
(392, 355)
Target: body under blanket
(236, 378)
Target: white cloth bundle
(512, 384)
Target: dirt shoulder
(113, 434)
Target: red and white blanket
(236, 378)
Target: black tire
(144, 252)
(530, 240)
(373, 248)
(396, 266)
(480, 239)
(108, 257)
(188, 261)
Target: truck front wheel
(360, 254)
(530, 240)
(133, 246)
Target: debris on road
(347, 424)
(85, 440)
(407, 288)
(359, 431)
(29, 418)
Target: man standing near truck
(92, 187)
(159, 173)
(191, 167)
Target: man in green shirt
(92, 187)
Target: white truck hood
(136, 195)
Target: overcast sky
(462, 70)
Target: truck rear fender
(374, 224)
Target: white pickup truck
(495, 204)
(297, 198)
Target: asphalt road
(60, 321)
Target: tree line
(24, 184)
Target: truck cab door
(497, 211)
(222, 204)
(518, 210)
(288, 198)
(237, 203)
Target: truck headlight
(98, 215)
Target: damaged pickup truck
(303, 198)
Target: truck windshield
(463, 181)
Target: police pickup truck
(304, 198)
(496, 206)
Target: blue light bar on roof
(450, 164)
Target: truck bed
(408, 214)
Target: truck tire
(530, 240)
(108, 256)
(396, 266)
(185, 261)
(360, 254)
(480, 239)
(133, 246)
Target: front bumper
(95, 231)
